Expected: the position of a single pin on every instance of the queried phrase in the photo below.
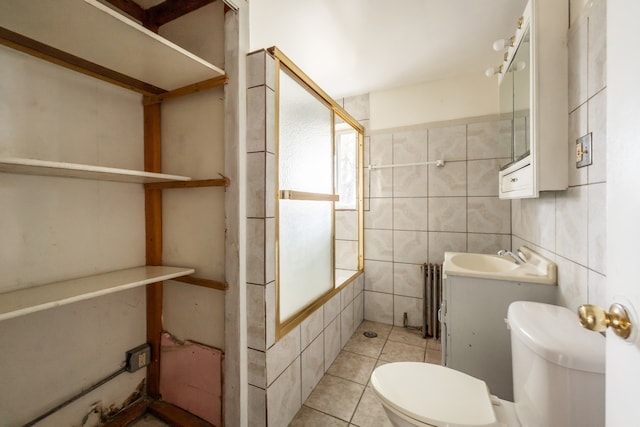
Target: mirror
(515, 106)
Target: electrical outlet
(138, 357)
(583, 151)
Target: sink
(483, 262)
(537, 268)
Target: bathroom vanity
(477, 291)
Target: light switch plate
(583, 151)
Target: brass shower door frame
(284, 63)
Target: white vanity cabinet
(475, 338)
(533, 103)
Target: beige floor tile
(401, 352)
(307, 417)
(353, 367)
(433, 356)
(433, 344)
(336, 396)
(407, 336)
(362, 345)
(379, 328)
(370, 412)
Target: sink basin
(537, 269)
(483, 262)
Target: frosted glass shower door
(305, 205)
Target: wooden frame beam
(187, 90)
(206, 283)
(56, 56)
(196, 183)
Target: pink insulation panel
(191, 377)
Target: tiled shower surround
(415, 213)
(281, 374)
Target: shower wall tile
(483, 177)
(346, 255)
(572, 283)
(487, 243)
(407, 280)
(439, 243)
(257, 368)
(378, 307)
(410, 146)
(311, 328)
(380, 182)
(410, 181)
(597, 119)
(280, 355)
(331, 309)
(411, 306)
(410, 214)
(270, 308)
(257, 403)
(448, 143)
(256, 175)
(489, 215)
(597, 289)
(449, 180)
(256, 119)
(597, 232)
(347, 225)
(578, 64)
(256, 251)
(358, 309)
(332, 342)
(378, 276)
(346, 296)
(380, 214)
(346, 324)
(448, 214)
(597, 47)
(256, 322)
(381, 149)
(378, 245)
(571, 239)
(312, 360)
(482, 140)
(410, 246)
(284, 396)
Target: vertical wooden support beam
(153, 228)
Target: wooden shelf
(30, 300)
(94, 32)
(75, 170)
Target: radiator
(432, 297)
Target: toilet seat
(434, 395)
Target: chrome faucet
(518, 259)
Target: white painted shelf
(30, 300)
(92, 31)
(75, 170)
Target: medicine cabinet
(533, 103)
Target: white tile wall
(417, 213)
(570, 226)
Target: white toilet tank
(558, 367)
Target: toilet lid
(434, 394)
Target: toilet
(558, 379)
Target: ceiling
(351, 47)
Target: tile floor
(344, 397)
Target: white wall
(471, 95)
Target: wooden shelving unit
(30, 300)
(93, 32)
(93, 39)
(75, 170)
